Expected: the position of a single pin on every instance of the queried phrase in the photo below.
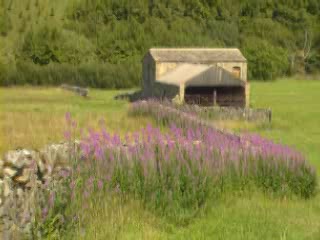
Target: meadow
(32, 117)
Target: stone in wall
(233, 113)
(23, 177)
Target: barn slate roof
(197, 55)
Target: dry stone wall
(78, 90)
(233, 113)
(24, 177)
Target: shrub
(265, 60)
(5, 23)
(86, 74)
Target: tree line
(100, 43)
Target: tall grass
(174, 174)
(248, 149)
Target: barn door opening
(200, 95)
(222, 96)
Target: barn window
(236, 71)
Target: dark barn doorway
(221, 96)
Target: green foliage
(52, 12)
(50, 220)
(313, 63)
(116, 34)
(28, 5)
(172, 193)
(3, 73)
(265, 61)
(5, 23)
(92, 74)
(39, 46)
(48, 44)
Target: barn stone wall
(230, 65)
(165, 67)
(245, 114)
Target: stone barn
(204, 76)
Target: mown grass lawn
(296, 114)
(31, 117)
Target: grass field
(31, 117)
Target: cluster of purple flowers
(202, 154)
(253, 143)
(205, 144)
(248, 154)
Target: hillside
(100, 43)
